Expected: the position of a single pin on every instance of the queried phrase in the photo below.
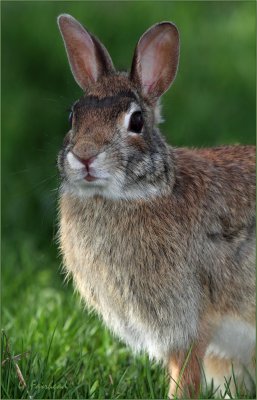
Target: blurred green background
(212, 102)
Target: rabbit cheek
(73, 169)
(99, 168)
(137, 142)
(61, 161)
(74, 162)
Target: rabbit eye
(70, 118)
(136, 122)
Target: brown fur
(173, 264)
(167, 246)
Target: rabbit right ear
(88, 58)
(155, 60)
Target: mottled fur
(165, 250)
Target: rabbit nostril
(86, 162)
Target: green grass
(67, 347)
(68, 352)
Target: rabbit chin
(113, 189)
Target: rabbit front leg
(185, 371)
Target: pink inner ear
(82, 56)
(81, 51)
(154, 59)
(157, 59)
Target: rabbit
(159, 241)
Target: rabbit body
(160, 241)
(156, 270)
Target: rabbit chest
(121, 267)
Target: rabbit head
(113, 147)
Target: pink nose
(86, 162)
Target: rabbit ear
(155, 60)
(88, 58)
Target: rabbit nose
(86, 162)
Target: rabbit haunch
(160, 241)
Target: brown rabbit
(160, 241)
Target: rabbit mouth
(83, 171)
(90, 178)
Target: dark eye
(70, 118)
(136, 122)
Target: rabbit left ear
(155, 60)
(87, 56)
